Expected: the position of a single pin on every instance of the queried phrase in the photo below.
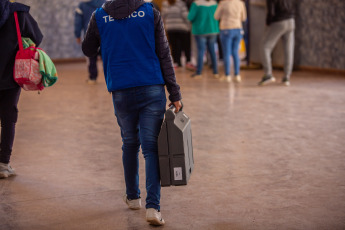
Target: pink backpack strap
(18, 32)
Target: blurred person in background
(9, 89)
(137, 64)
(231, 14)
(174, 14)
(82, 17)
(280, 24)
(205, 29)
(245, 26)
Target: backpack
(26, 67)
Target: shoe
(154, 217)
(6, 171)
(176, 66)
(196, 76)
(216, 76)
(134, 204)
(266, 79)
(286, 82)
(226, 78)
(237, 78)
(190, 66)
(91, 82)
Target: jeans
(283, 29)
(231, 43)
(201, 42)
(8, 115)
(139, 112)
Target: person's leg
(179, 44)
(194, 55)
(173, 40)
(211, 41)
(225, 41)
(201, 46)
(187, 49)
(236, 37)
(187, 46)
(220, 51)
(270, 39)
(128, 119)
(93, 72)
(289, 45)
(8, 115)
(152, 103)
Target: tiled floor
(269, 157)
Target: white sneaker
(154, 217)
(286, 82)
(226, 78)
(134, 204)
(216, 76)
(6, 171)
(238, 78)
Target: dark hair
(171, 2)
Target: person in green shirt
(205, 30)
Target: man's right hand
(177, 104)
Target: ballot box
(175, 149)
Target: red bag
(26, 68)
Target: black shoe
(196, 76)
(266, 79)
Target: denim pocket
(154, 99)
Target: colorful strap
(18, 32)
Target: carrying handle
(172, 107)
(20, 43)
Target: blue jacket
(128, 49)
(140, 48)
(83, 14)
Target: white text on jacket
(132, 15)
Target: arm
(218, 11)
(244, 13)
(92, 40)
(192, 12)
(184, 12)
(163, 54)
(30, 28)
(78, 22)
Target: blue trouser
(140, 112)
(230, 43)
(201, 42)
(8, 116)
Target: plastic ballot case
(175, 149)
